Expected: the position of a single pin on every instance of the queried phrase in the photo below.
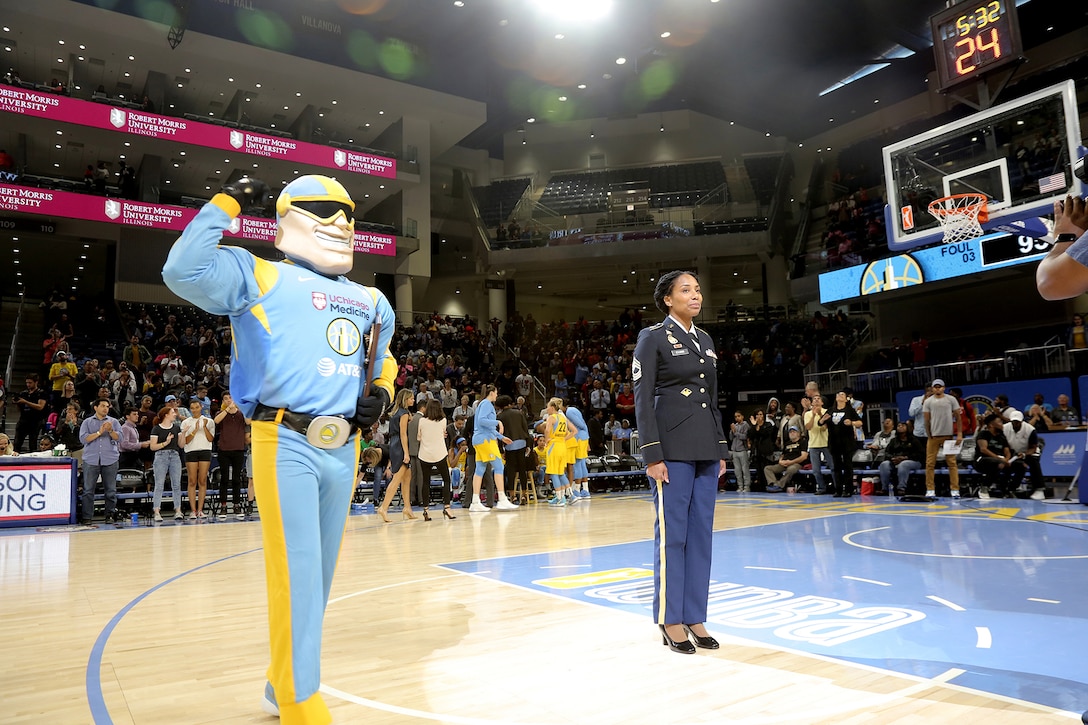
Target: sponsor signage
(193, 133)
(71, 205)
(37, 492)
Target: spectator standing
(761, 437)
(840, 422)
(739, 452)
(61, 371)
(942, 421)
(197, 434)
(165, 443)
(32, 403)
(99, 435)
(447, 397)
(433, 456)
(231, 455)
(915, 412)
(818, 451)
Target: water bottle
(135, 518)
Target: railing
(954, 373)
(829, 381)
(1030, 361)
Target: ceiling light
(559, 36)
(285, 108)
(60, 60)
(7, 29)
(607, 76)
(56, 166)
(381, 186)
(592, 135)
(768, 134)
(666, 34)
(122, 156)
(179, 85)
(168, 181)
(625, 280)
(581, 86)
(127, 74)
(247, 99)
(131, 58)
(207, 188)
(58, 146)
(457, 291)
(334, 102)
(876, 100)
(230, 80)
(61, 42)
(381, 113)
(458, 3)
(562, 98)
(59, 132)
(662, 129)
(181, 153)
(531, 119)
(539, 286)
(522, 143)
(620, 61)
(187, 70)
(366, 125)
(258, 85)
(79, 57)
(254, 165)
(127, 143)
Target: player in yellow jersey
(556, 433)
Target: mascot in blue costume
(299, 371)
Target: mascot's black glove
(248, 191)
(369, 410)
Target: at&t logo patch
(326, 367)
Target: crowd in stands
(855, 230)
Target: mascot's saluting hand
(299, 369)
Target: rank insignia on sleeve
(636, 369)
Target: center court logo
(113, 208)
(339, 157)
(237, 139)
(117, 117)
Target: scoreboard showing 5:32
(973, 38)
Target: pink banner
(112, 118)
(70, 205)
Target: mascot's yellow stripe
(661, 599)
(265, 435)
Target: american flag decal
(1054, 182)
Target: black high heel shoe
(426, 516)
(683, 646)
(707, 642)
(447, 514)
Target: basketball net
(960, 215)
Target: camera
(1079, 171)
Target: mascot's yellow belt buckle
(328, 431)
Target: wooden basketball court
(448, 621)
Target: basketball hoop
(961, 216)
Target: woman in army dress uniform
(684, 446)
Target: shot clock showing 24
(971, 38)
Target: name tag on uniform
(681, 351)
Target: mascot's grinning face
(324, 247)
(316, 224)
